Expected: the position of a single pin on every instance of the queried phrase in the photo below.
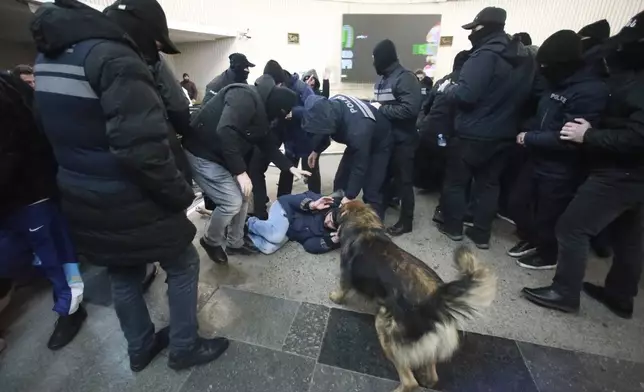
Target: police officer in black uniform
(397, 95)
(367, 134)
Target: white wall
(319, 24)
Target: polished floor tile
(483, 363)
(307, 331)
(251, 368)
(612, 375)
(351, 343)
(556, 370)
(251, 318)
(330, 379)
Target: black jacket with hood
(120, 188)
(225, 79)
(492, 89)
(227, 128)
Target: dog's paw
(337, 297)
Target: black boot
(66, 329)
(216, 253)
(551, 298)
(205, 351)
(399, 229)
(621, 307)
(477, 238)
(247, 249)
(451, 235)
(140, 361)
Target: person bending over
(306, 218)
(225, 132)
(367, 134)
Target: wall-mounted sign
(293, 38)
(446, 41)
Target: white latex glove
(245, 184)
(300, 174)
(444, 85)
(376, 105)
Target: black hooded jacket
(492, 89)
(225, 79)
(228, 126)
(120, 188)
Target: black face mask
(139, 33)
(280, 101)
(557, 73)
(630, 56)
(384, 55)
(241, 75)
(476, 37)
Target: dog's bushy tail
(473, 290)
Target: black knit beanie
(274, 70)
(384, 55)
(599, 30)
(564, 46)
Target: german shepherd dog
(419, 313)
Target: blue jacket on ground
(347, 120)
(306, 226)
(492, 88)
(297, 142)
(583, 95)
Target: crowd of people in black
(101, 153)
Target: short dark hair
(185, 74)
(22, 69)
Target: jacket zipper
(543, 119)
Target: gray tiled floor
(330, 379)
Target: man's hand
(575, 131)
(300, 174)
(345, 200)
(289, 115)
(335, 237)
(313, 158)
(444, 85)
(327, 73)
(245, 184)
(521, 138)
(376, 105)
(321, 204)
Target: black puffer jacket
(223, 80)
(230, 125)
(120, 188)
(27, 165)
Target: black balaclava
(238, 65)
(477, 36)
(629, 45)
(594, 34)
(138, 31)
(560, 56)
(460, 59)
(274, 70)
(384, 55)
(280, 101)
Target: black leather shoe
(622, 308)
(140, 361)
(438, 216)
(551, 298)
(451, 236)
(477, 239)
(66, 329)
(394, 203)
(248, 249)
(399, 229)
(205, 351)
(216, 253)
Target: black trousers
(257, 172)
(483, 162)
(509, 177)
(401, 169)
(536, 204)
(285, 184)
(611, 200)
(372, 188)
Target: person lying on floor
(307, 218)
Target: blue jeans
(269, 235)
(127, 292)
